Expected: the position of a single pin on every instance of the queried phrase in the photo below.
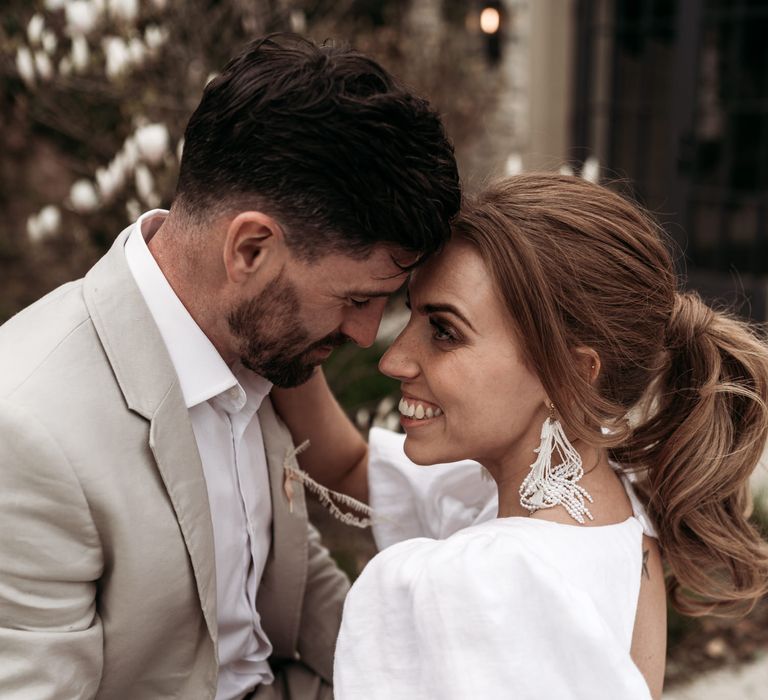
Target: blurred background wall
(667, 99)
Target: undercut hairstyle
(325, 141)
(682, 392)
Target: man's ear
(588, 361)
(251, 239)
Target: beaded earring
(548, 485)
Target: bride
(549, 343)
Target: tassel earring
(548, 485)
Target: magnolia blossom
(82, 16)
(130, 153)
(65, 66)
(180, 149)
(53, 5)
(83, 197)
(81, 54)
(35, 29)
(25, 64)
(590, 171)
(137, 51)
(117, 54)
(363, 418)
(43, 65)
(107, 182)
(35, 231)
(514, 164)
(155, 36)
(126, 10)
(50, 218)
(49, 41)
(566, 169)
(133, 209)
(152, 142)
(298, 21)
(145, 183)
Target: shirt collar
(202, 372)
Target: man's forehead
(383, 263)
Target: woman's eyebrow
(445, 308)
(438, 308)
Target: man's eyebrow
(370, 293)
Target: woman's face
(466, 391)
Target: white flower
(83, 197)
(137, 51)
(566, 169)
(106, 182)
(126, 10)
(82, 16)
(152, 142)
(130, 153)
(35, 29)
(180, 149)
(25, 64)
(363, 418)
(155, 36)
(590, 171)
(53, 5)
(119, 169)
(49, 219)
(50, 42)
(133, 209)
(65, 66)
(81, 54)
(298, 21)
(514, 164)
(35, 231)
(43, 65)
(145, 183)
(118, 57)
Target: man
(148, 549)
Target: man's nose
(362, 325)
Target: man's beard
(269, 332)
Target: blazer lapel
(148, 381)
(281, 592)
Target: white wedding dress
(461, 605)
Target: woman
(550, 330)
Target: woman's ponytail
(706, 434)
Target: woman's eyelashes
(359, 303)
(442, 332)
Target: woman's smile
(414, 411)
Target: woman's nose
(399, 361)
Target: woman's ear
(588, 361)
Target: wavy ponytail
(706, 433)
(682, 391)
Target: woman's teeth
(417, 411)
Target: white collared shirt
(222, 405)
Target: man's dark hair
(326, 141)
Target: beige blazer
(107, 576)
